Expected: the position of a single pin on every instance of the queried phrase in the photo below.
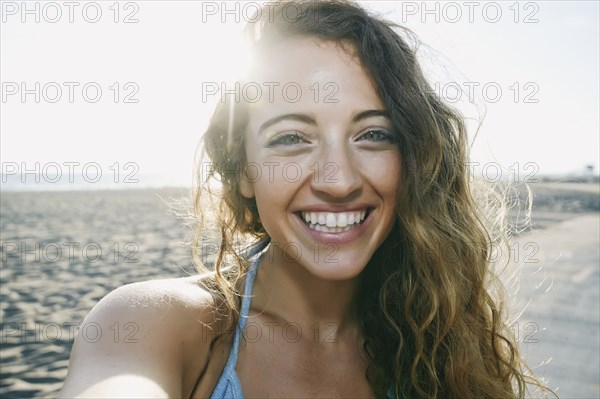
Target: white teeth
(326, 229)
(330, 221)
(351, 218)
(322, 218)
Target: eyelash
(389, 137)
(281, 139)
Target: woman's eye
(286, 140)
(378, 136)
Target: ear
(246, 185)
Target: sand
(116, 237)
(46, 294)
(560, 330)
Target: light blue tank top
(229, 386)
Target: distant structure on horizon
(586, 175)
(589, 170)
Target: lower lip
(337, 238)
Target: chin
(336, 269)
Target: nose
(336, 173)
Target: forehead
(311, 75)
(301, 54)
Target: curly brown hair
(431, 325)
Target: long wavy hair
(431, 305)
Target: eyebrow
(372, 113)
(295, 117)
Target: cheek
(384, 170)
(272, 194)
(272, 209)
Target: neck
(288, 292)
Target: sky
(119, 84)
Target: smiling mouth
(334, 222)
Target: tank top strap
(249, 252)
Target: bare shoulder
(154, 296)
(138, 339)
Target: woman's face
(323, 162)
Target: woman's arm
(142, 340)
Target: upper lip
(334, 208)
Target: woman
(368, 273)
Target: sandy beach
(63, 251)
(88, 244)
